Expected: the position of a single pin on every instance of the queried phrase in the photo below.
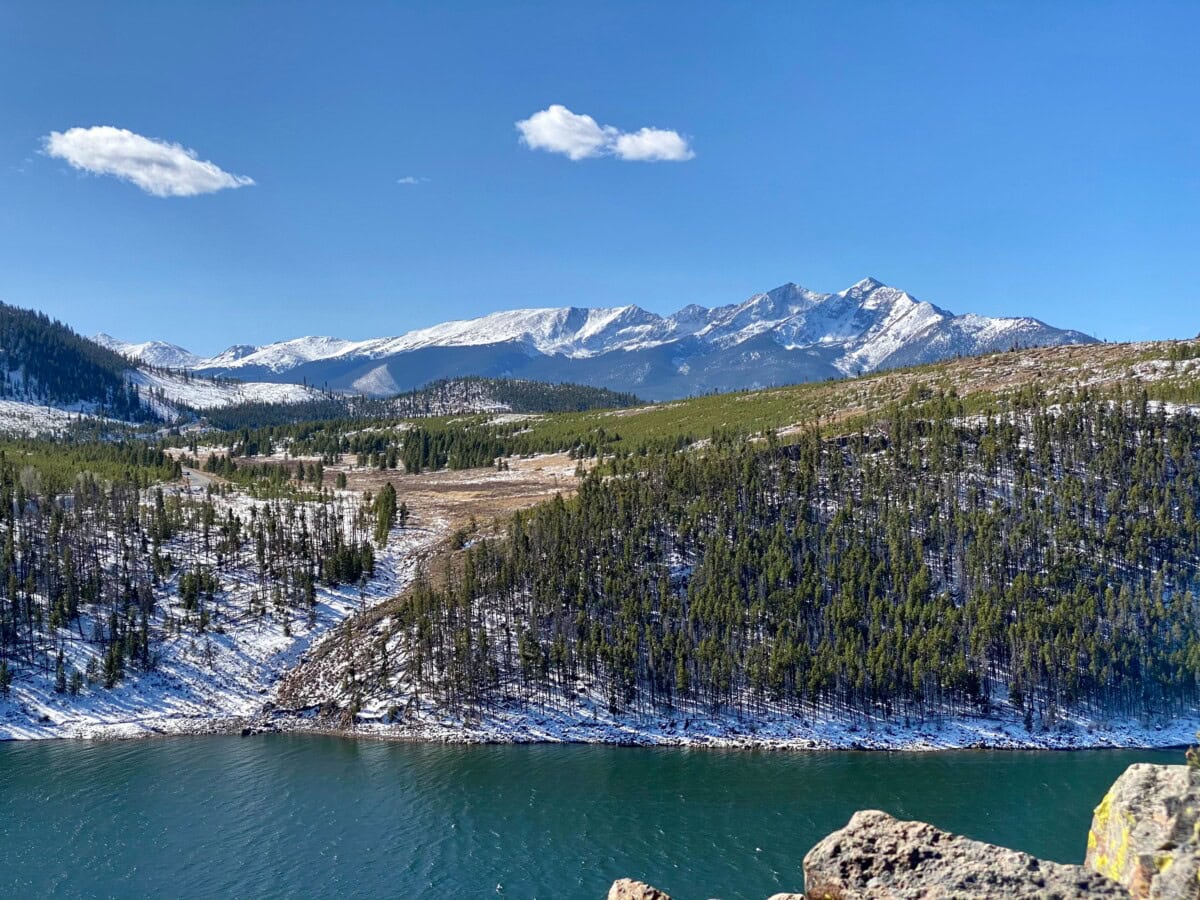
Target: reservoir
(306, 816)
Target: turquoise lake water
(308, 816)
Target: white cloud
(412, 179)
(653, 144)
(157, 167)
(558, 130)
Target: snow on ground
(396, 711)
(162, 393)
(17, 417)
(203, 393)
(588, 721)
(224, 679)
(204, 681)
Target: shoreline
(1174, 736)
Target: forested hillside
(933, 562)
(453, 396)
(446, 397)
(44, 361)
(105, 572)
(1013, 538)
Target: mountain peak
(155, 353)
(787, 334)
(865, 286)
(789, 289)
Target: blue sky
(1001, 158)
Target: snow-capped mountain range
(785, 335)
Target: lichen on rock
(1146, 832)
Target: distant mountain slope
(789, 334)
(152, 353)
(51, 377)
(173, 395)
(453, 396)
(44, 362)
(52, 380)
(447, 397)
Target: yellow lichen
(1109, 841)
(1113, 865)
(1164, 862)
(1102, 811)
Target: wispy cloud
(412, 179)
(556, 129)
(157, 167)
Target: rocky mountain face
(786, 335)
(1144, 844)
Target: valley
(211, 664)
(226, 601)
(465, 450)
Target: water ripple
(290, 816)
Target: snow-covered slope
(165, 395)
(285, 355)
(166, 392)
(19, 417)
(152, 353)
(803, 334)
(569, 331)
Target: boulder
(878, 857)
(1144, 832)
(628, 889)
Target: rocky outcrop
(877, 856)
(1144, 832)
(1144, 843)
(628, 889)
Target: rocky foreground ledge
(1144, 843)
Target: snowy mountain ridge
(152, 353)
(805, 334)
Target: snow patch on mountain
(377, 383)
